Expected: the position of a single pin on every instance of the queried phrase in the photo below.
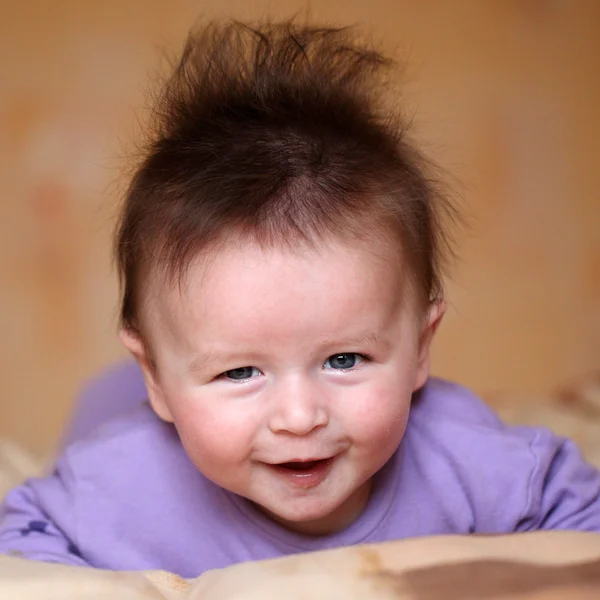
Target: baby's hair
(278, 132)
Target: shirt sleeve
(564, 490)
(38, 520)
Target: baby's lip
(303, 460)
(303, 474)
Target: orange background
(505, 95)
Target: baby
(280, 253)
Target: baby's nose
(298, 409)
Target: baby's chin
(317, 519)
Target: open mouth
(302, 465)
(304, 473)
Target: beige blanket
(535, 566)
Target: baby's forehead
(369, 247)
(269, 299)
(242, 266)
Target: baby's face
(289, 374)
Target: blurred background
(505, 95)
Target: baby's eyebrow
(369, 339)
(204, 360)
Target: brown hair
(278, 132)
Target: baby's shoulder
(505, 477)
(450, 421)
(137, 439)
(444, 402)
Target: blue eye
(344, 361)
(241, 373)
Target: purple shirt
(127, 496)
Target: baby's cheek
(210, 438)
(381, 416)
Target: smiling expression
(289, 373)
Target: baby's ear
(133, 342)
(432, 321)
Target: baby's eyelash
(344, 355)
(240, 374)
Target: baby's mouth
(302, 465)
(304, 473)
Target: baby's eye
(344, 361)
(241, 373)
